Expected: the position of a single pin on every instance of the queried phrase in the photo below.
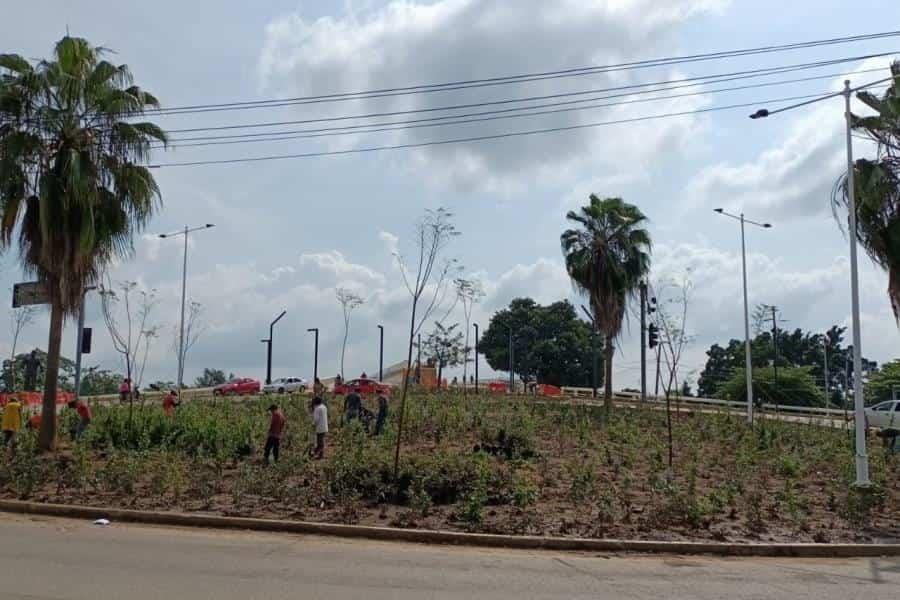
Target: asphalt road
(45, 558)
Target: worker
(320, 422)
(12, 420)
(170, 403)
(34, 422)
(318, 388)
(382, 413)
(124, 390)
(84, 416)
(276, 430)
(352, 405)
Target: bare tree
(194, 327)
(20, 318)
(127, 319)
(349, 302)
(671, 318)
(426, 286)
(469, 292)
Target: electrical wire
(480, 138)
(454, 119)
(527, 77)
(709, 79)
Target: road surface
(44, 558)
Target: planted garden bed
(479, 464)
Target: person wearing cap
(276, 430)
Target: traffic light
(652, 335)
(651, 305)
(86, 340)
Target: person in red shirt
(84, 416)
(170, 403)
(34, 422)
(124, 390)
(276, 430)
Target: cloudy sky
(288, 232)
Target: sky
(289, 232)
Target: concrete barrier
(448, 537)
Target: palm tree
(607, 257)
(877, 183)
(73, 191)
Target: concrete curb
(449, 537)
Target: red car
(237, 387)
(362, 386)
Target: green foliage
(551, 344)
(96, 381)
(882, 383)
(212, 378)
(795, 387)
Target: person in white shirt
(320, 421)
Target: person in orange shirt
(170, 403)
(34, 422)
(84, 416)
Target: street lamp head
(719, 210)
(767, 225)
(760, 114)
(311, 329)
(380, 326)
(163, 235)
(208, 225)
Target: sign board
(30, 292)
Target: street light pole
(315, 354)
(512, 364)
(185, 233)
(862, 459)
(476, 356)
(269, 352)
(381, 353)
(748, 366)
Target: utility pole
(79, 341)
(775, 350)
(315, 353)
(512, 364)
(825, 365)
(658, 356)
(381, 353)
(643, 342)
(476, 356)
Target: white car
(285, 385)
(884, 415)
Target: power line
(709, 79)
(458, 119)
(526, 77)
(475, 138)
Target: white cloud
(455, 40)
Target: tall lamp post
(862, 459)
(748, 364)
(269, 348)
(315, 354)
(475, 325)
(512, 364)
(185, 233)
(381, 353)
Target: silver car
(884, 415)
(285, 385)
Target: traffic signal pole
(643, 342)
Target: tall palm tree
(607, 256)
(73, 191)
(877, 184)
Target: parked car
(884, 415)
(285, 385)
(237, 387)
(363, 386)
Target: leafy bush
(796, 387)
